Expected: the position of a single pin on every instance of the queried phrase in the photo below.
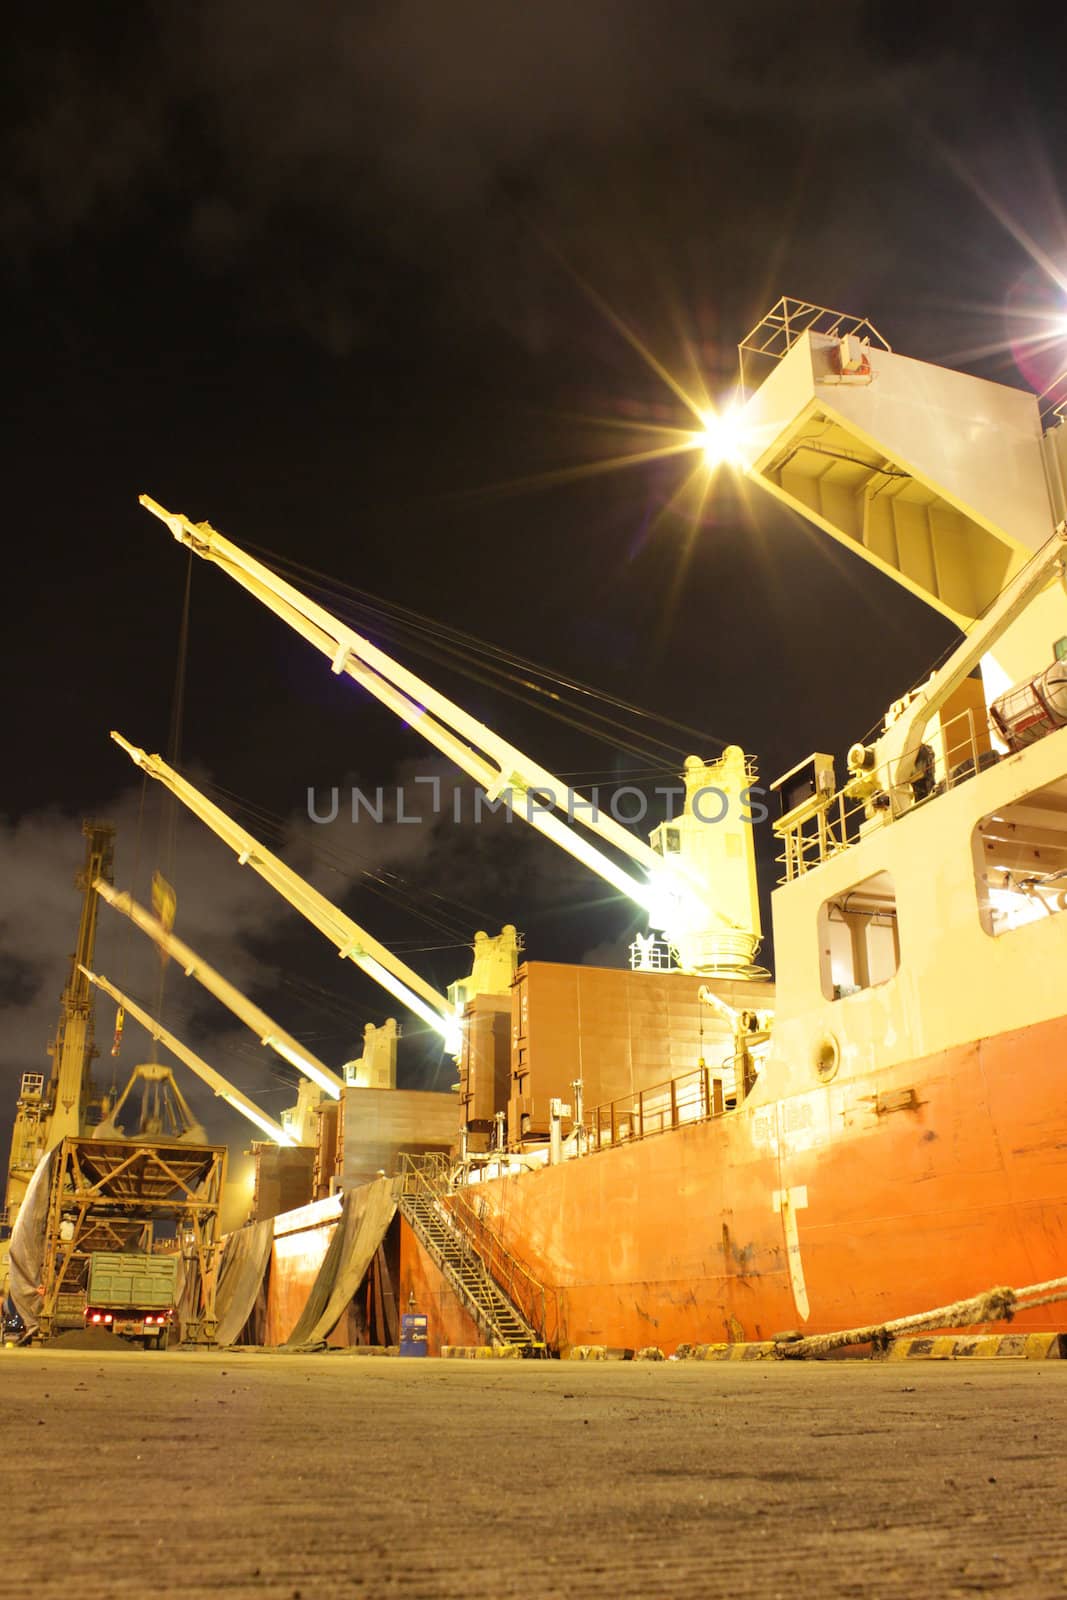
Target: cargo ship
(904, 1142)
(686, 1153)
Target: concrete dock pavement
(313, 1477)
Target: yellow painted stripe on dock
(978, 1347)
(481, 1352)
(758, 1350)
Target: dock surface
(313, 1477)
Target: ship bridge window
(1020, 860)
(858, 944)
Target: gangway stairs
(425, 1205)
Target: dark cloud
(354, 164)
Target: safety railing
(826, 829)
(693, 1097)
(788, 320)
(430, 1176)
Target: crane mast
(70, 1086)
(45, 1113)
(353, 942)
(700, 890)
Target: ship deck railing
(695, 1096)
(832, 824)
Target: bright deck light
(721, 439)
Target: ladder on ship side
(423, 1206)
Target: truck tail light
(109, 1318)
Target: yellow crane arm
(352, 941)
(495, 764)
(264, 1027)
(222, 1086)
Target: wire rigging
(167, 843)
(426, 904)
(426, 633)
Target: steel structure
(214, 1080)
(48, 1110)
(942, 480)
(115, 1194)
(788, 319)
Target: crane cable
(382, 881)
(462, 645)
(124, 943)
(167, 838)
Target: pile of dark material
(86, 1339)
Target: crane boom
(492, 761)
(215, 1080)
(268, 1031)
(897, 752)
(352, 941)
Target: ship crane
(215, 1080)
(945, 482)
(268, 1032)
(353, 942)
(898, 755)
(696, 879)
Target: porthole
(827, 1058)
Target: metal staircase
(436, 1215)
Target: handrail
(525, 1291)
(695, 1096)
(835, 825)
(430, 1174)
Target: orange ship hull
(892, 1193)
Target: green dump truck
(132, 1295)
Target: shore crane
(695, 878)
(353, 942)
(65, 1105)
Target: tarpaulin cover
(365, 1215)
(26, 1259)
(244, 1261)
(187, 1294)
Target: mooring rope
(994, 1305)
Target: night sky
(347, 280)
